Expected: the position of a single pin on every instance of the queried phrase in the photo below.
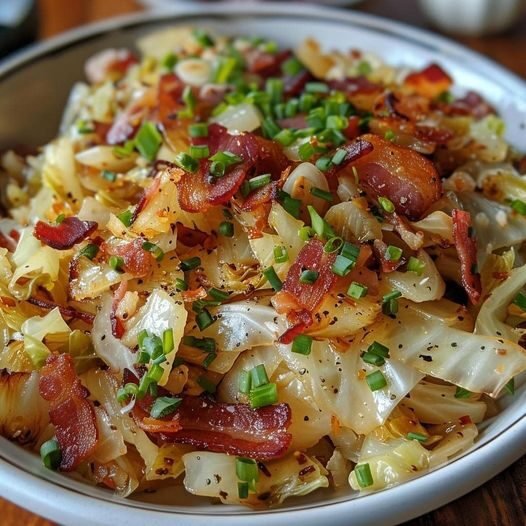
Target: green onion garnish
(322, 194)
(190, 263)
(258, 182)
(199, 151)
(51, 454)
(258, 376)
(302, 344)
(510, 387)
(217, 169)
(336, 122)
(164, 406)
(306, 102)
(323, 164)
(320, 226)
(156, 251)
(204, 344)
(378, 349)
(190, 102)
(273, 278)
(89, 251)
(364, 68)
(244, 382)
(126, 217)
(199, 129)
(306, 232)
(269, 128)
(204, 319)
(226, 228)
(316, 87)
(393, 253)
(274, 88)
(242, 490)
(209, 358)
(334, 244)
(155, 373)
(227, 158)
(186, 162)
(124, 151)
(126, 392)
(285, 137)
(291, 66)
(308, 277)
(364, 476)
(373, 359)
(519, 206)
(224, 69)
(350, 251)
(169, 61)
(148, 141)
(180, 285)
(290, 204)
(390, 135)
(416, 436)
(109, 176)
(202, 38)
(416, 265)
(357, 290)
(342, 265)
(376, 380)
(168, 341)
(84, 127)
(316, 118)
(306, 151)
(520, 301)
(462, 393)
(263, 395)
(246, 469)
(206, 384)
(218, 295)
(394, 294)
(390, 302)
(280, 254)
(386, 204)
(116, 263)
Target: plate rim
(488, 459)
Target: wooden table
(501, 501)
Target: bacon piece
(354, 151)
(110, 62)
(69, 411)
(190, 237)
(467, 253)
(355, 85)
(137, 261)
(266, 64)
(471, 104)
(293, 86)
(430, 82)
(235, 429)
(71, 231)
(402, 175)
(198, 191)
(66, 312)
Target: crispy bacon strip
(407, 178)
(137, 261)
(430, 82)
(70, 412)
(235, 429)
(467, 253)
(67, 312)
(71, 231)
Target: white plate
(33, 89)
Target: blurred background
(496, 28)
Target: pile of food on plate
(259, 272)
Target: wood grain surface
(499, 502)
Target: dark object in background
(18, 24)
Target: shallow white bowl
(33, 90)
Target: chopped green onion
(306, 232)
(323, 164)
(155, 373)
(244, 382)
(144, 386)
(386, 204)
(148, 141)
(169, 61)
(520, 301)
(204, 319)
(269, 128)
(124, 151)
(258, 376)
(263, 395)
(446, 97)
(510, 387)
(390, 135)
(89, 251)
(205, 344)
(416, 436)
(210, 357)
(306, 151)
(336, 122)
(416, 265)
(309, 277)
(190, 263)
(199, 129)
(373, 359)
(84, 127)
(462, 393)
(342, 265)
(307, 101)
(206, 384)
(274, 88)
(290, 204)
(291, 107)
(394, 294)
(164, 406)
(280, 254)
(109, 176)
(151, 344)
(217, 169)
(269, 47)
(316, 87)
(322, 194)
(350, 251)
(273, 278)
(292, 66)
(190, 102)
(226, 228)
(51, 454)
(302, 344)
(320, 226)
(156, 250)
(227, 158)
(202, 38)
(168, 341)
(116, 262)
(357, 290)
(246, 469)
(218, 295)
(285, 137)
(242, 490)
(334, 244)
(199, 151)
(224, 69)
(180, 285)
(126, 217)
(199, 305)
(390, 302)
(519, 206)
(363, 475)
(364, 68)
(378, 349)
(258, 181)
(126, 392)
(393, 253)
(316, 118)
(376, 380)
(186, 162)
